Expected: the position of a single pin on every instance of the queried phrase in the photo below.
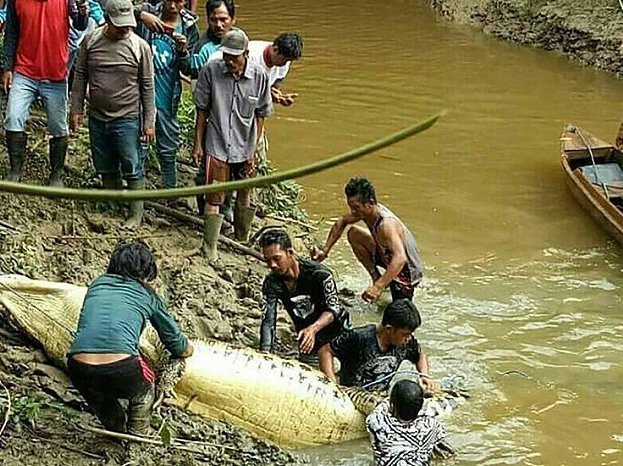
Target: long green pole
(97, 194)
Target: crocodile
(283, 401)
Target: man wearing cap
(35, 57)
(232, 99)
(117, 66)
(275, 58)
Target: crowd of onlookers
(129, 63)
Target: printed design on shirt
(302, 306)
(330, 293)
(403, 444)
(163, 50)
(378, 369)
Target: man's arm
(268, 325)
(79, 14)
(390, 234)
(325, 362)
(79, 87)
(336, 232)
(342, 347)
(169, 332)
(11, 39)
(421, 364)
(307, 336)
(147, 93)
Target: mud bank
(589, 32)
(72, 241)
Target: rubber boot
(58, 153)
(136, 207)
(211, 231)
(16, 146)
(139, 413)
(243, 219)
(111, 181)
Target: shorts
(402, 287)
(218, 171)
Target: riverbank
(589, 32)
(71, 242)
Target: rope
(391, 374)
(110, 195)
(19, 295)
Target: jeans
(115, 145)
(24, 91)
(167, 145)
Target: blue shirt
(114, 314)
(166, 68)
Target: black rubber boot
(136, 207)
(16, 146)
(58, 153)
(139, 413)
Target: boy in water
(399, 435)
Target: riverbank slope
(590, 31)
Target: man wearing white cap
(117, 66)
(232, 99)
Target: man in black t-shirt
(370, 355)
(308, 292)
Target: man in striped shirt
(400, 436)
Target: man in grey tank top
(386, 243)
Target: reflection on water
(522, 296)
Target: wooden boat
(594, 173)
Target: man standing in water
(308, 292)
(386, 243)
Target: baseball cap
(121, 13)
(235, 42)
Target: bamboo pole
(109, 195)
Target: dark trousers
(102, 386)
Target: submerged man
(370, 355)
(385, 243)
(308, 292)
(104, 362)
(398, 433)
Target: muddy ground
(587, 31)
(71, 242)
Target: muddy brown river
(522, 297)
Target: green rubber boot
(211, 231)
(136, 207)
(243, 220)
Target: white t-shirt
(256, 54)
